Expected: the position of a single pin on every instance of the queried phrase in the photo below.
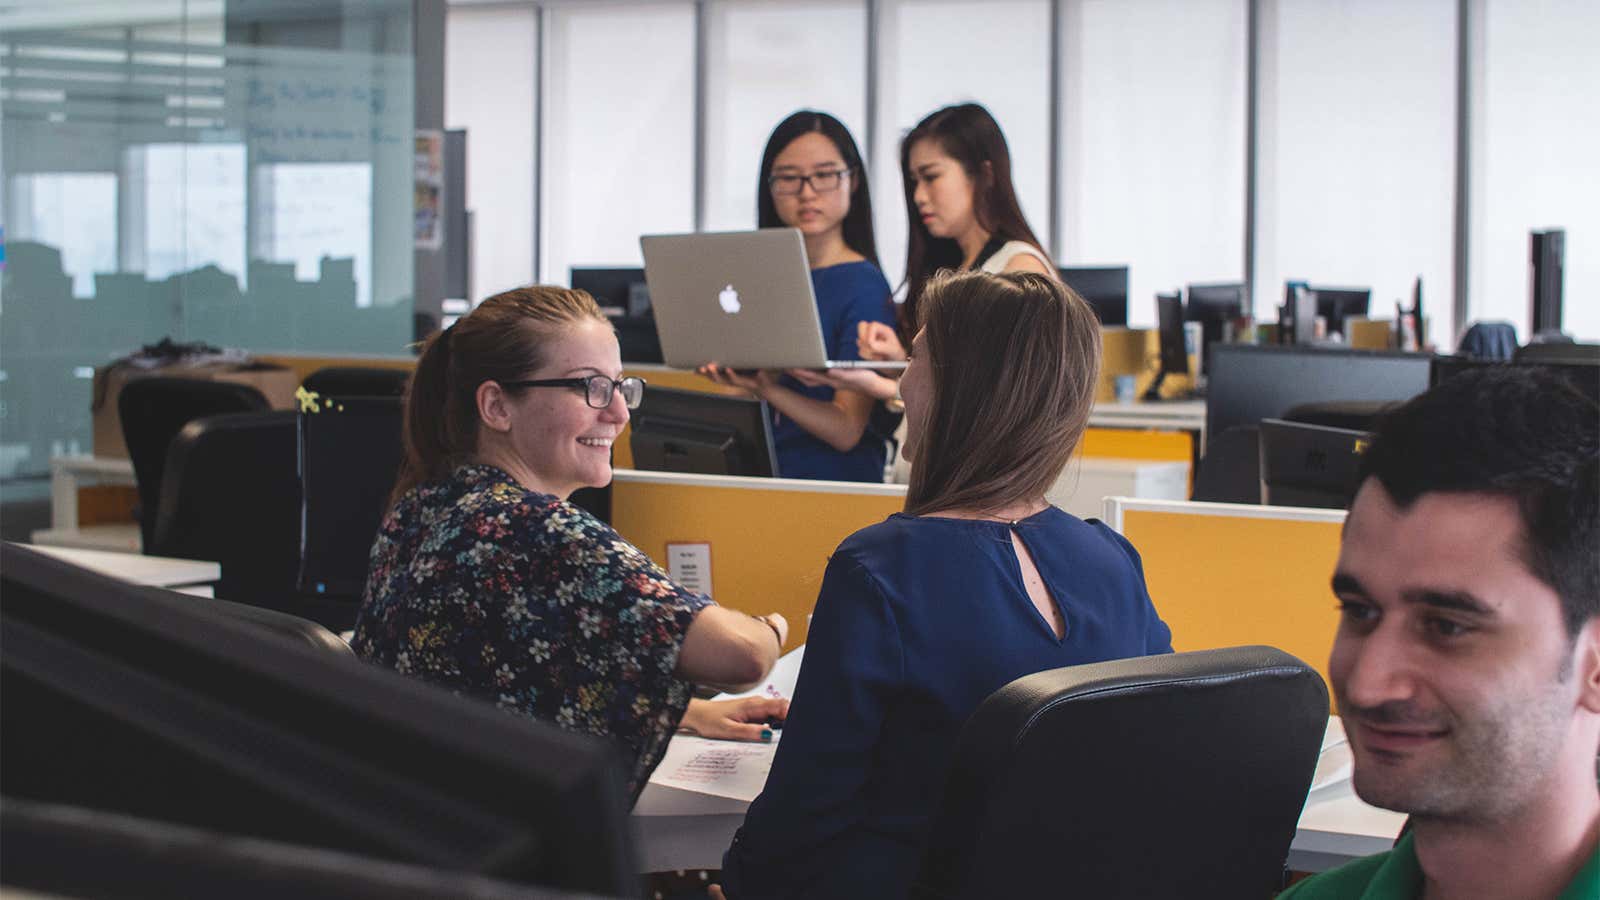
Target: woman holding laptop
(812, 178)
(921, 617)
(485, 580)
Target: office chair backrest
(349, 456)
(153, 410)
(1180, 775)
(1351, 415)
(284, 624)
(230, 493)
(1489, 340)
(358, 381)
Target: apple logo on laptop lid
(729, 298)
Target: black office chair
(358, 381)
(231, 494)
(1351, 415)
(1230, 472)
(153, 410)
(349, 456)
(282, 624)
(1165, 776)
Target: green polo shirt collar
(1400, 877)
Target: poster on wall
(429, 194)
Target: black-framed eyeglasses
(824, 182)
(597, 389)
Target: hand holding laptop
(862, 381)
(756, 382)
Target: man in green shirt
(1467, 662)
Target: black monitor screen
(1169, 330)
(1105, 288)
(145, 703)
(620, 292)
(1335, 305)
(703, 434)
(1310, 465)
(350, 453)
(1213, 306)
(1254, 382)
(625, 297)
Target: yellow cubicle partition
(769, 539)
(1224, 575)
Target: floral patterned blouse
(519, 598)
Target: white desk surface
(676, 829)
(1189, 415)
(155, 571)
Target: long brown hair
(970, 136)
(502, 340)
(1014, 360)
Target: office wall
(764, 60)
(1137, 153)
(1152, 142)
(1355, 178)
(1536, 127)
(237, 173)
(492, 68)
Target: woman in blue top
(920, 617)
(812, 179)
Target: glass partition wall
(234, 173)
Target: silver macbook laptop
(739, 298)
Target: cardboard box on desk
(276, 382)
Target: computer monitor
(1310, 465)
(1546, 277)
(138, 701)
(1213, 306)
(1297, 319)
(619, 291)
(350, 451)
(624, 296)
(1173, 354)
(703, 434)
(1105, 288)
(1335, 304)
(1254, 382)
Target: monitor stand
(1152, 394)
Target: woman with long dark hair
(812, 178)
(978, 582)
(962, 212)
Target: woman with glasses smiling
(812, 179)
(484, 579)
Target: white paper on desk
(780, 682)
(733, 769)
(1334, 763)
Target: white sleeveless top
(1011, 250)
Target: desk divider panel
(770, 537)
(1129, 443)
(1224, 575)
